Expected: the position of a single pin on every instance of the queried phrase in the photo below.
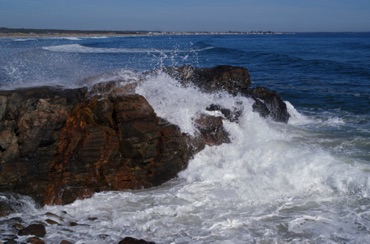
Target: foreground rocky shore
(58, 145)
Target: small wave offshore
(77, 48)
(66, 61)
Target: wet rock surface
(58, 145)
(236, 81)
(232, 79)
(35, 240)
(18, 230)
(33, 229)
(211, 132)
(12, 203)
(131, 240)
(269, 104)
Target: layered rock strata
(58, 145)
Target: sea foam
(268, 185)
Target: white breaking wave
(296, 118)
(77, 48)
(267, 186)
(24, 39)
(71, 38)
(98, 37)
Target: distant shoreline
(27, 33)
(40, 33)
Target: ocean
(307, 181)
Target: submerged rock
(131, 240)
(35, 240)
(228, 114)
(11, 203)
(33, 229)
(65, 242)
(211, 132)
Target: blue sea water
(307, 181)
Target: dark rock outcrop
(269, 104)
(59, 145)
(114, 144)
(236, 81)
(30, 123)
(232, 79)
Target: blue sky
(188, 15)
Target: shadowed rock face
(58, 145)
(30, 125)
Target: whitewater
(307, 181)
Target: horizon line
(91, 31)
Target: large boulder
(59, 145)
(236, 81)
(232, 79)
(114, 144)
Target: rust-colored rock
(29, 128)
(58, 145)
(114, 144)
(58, 148)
